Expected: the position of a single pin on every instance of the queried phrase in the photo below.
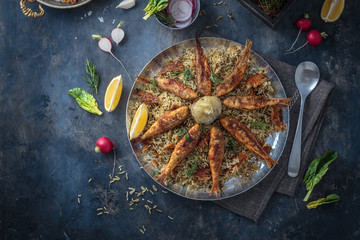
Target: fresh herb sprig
(186, 72)
(194, 166)
(154, 84)
(94, 76)
(164, 18)
(232, 145)
(183, 132)
(187, 75)
(215, 79)
(329, 199)
(259, 124)
(316, 170)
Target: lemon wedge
(332, 9)
(113, 93)
(139, 122)
(128, 124)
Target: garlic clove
(126, 4)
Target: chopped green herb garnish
(176, 72)
(259, 124)
(154, 84)
(94, 76)
(155, 172)
(187, 75)
(214, 78)
(183, 132)
(232, 145)
(194, 166)
(187, 137)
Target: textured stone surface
(46, 143)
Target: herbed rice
(222, 62)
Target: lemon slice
(332, 9)
(139, 122)
(113, 93)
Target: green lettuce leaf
(85, 100)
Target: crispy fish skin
(236, 76)
(182, 149)
(248, 103)
(216, 155)
(175, 65)
(277, 118)
(148, 98)
(242, 134)
(173, 86)
(255, 80)
(203, 71)
(166, 122)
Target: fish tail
(248, 44)
(162, 177)
(197, 40)
(270, 162)
(215, 187)
(284, 102)
(143, 79)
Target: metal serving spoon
(307, 76)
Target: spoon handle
(295, 155)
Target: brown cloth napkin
(252, 203)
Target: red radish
(180, 10)
(117, 34)
(104, 145)
(314, 38)
(105, 44)
(303, 23)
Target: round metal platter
(62, 5)
(277, 141)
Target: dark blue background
(47, 140)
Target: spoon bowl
(307, 77)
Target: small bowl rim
(192, 21)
